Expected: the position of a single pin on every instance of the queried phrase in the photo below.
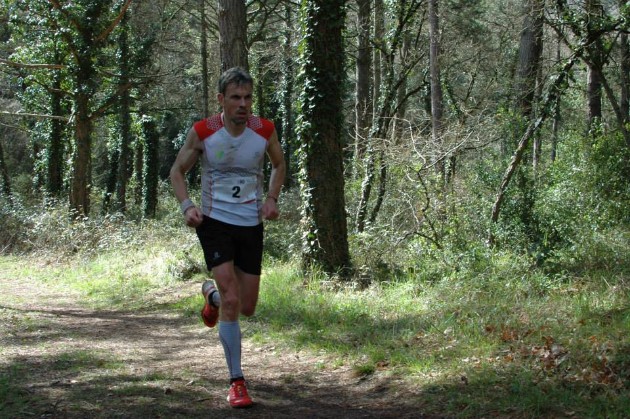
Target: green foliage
(583, 204)
(49, 229)
(150, 167)
(12, 398)
(282, 240)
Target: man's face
(236, 102)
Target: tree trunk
(436, 86)
(150, 167)
(232, 17)
(5, 187)
(363, 102)
(529, 53)
(624, 104)
(124, 117)
(205, 89)
(81, 185)
(322, 182)
(556, 116)
(624, 75)
(112, 175)
(399, 123)
(382, 186)
(594, 94)
(379, 40)
(594, 64)
(54, 164)
(139, 170)
(528, 69)
(397, 127)
(85, 38)
(288, 127)
(260, 101)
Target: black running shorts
(222, 242)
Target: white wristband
(185, 205)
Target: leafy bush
(10, 225)
(50, 228)
(582, 210)
(282, 237)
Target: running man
(232, 147)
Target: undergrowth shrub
(607, 250)
(50, 228)
(282, 236)
(582, 208)
(186, 261)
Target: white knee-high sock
(230, 335)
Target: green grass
(501, 339)
(527, 346)
(13, 398)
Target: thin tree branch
(109, 30)
(32, 66)
(35, 115)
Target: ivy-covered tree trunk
(624, 70)
(5, 186)
(379, 42)
(594, 11)
(112, 175)
(555, 128)
(436, 86)
(233, 34)
(288, 126)
(205, 89)
(363, 103)
(56, 149)
(400, 124)
(124, 116)
(151, 167)
(138, 172)
(81, 185)
(624, 76)
(320, 130)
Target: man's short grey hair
(234, 75)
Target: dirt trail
(65, 361)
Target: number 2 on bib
(236, 190)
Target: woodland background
(408, 126)
(457, 206)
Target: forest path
(61, 360)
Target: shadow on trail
(75, 363)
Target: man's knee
(229, 302)
(248, 311)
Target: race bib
(236, 190)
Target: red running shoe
(237, 396)
(209, 313)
